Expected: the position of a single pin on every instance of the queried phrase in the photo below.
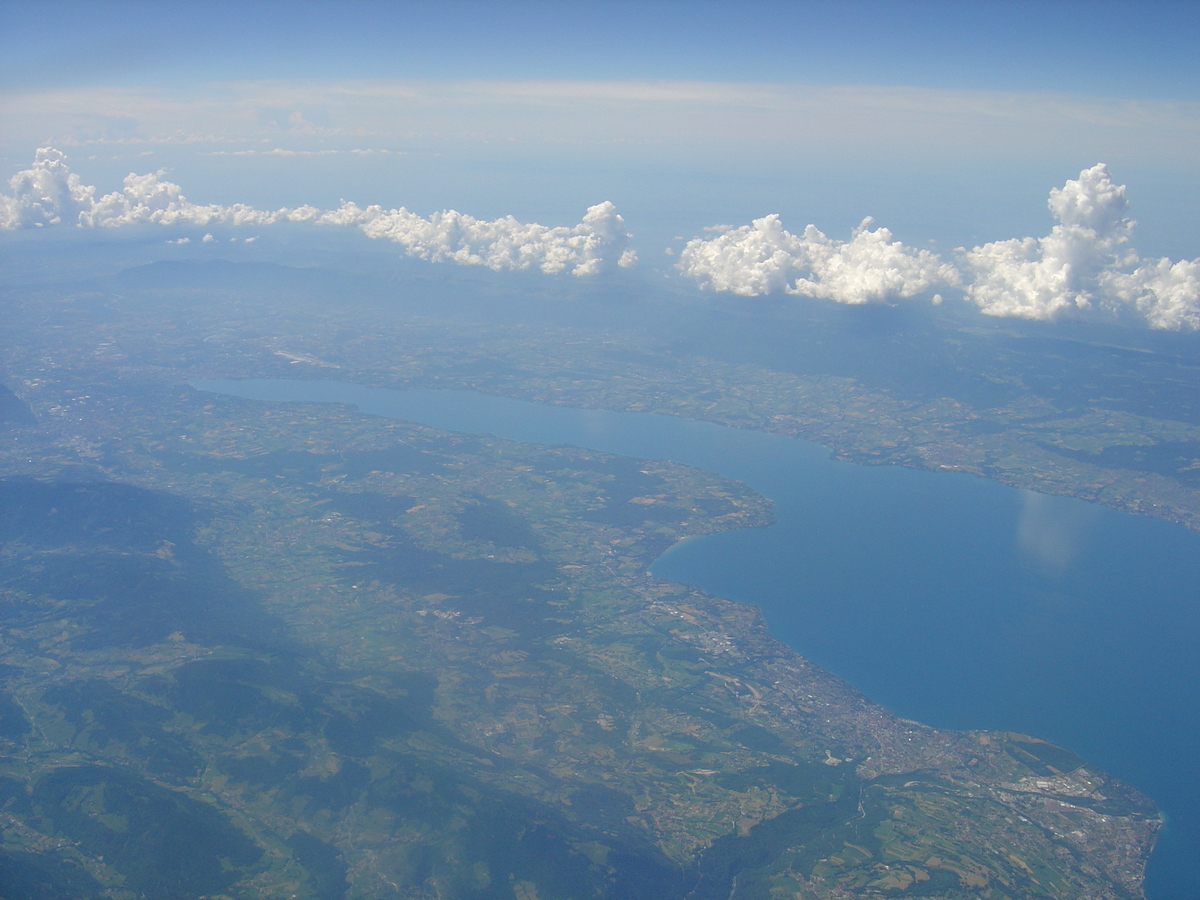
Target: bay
(950, 600)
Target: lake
(949, 599)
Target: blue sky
(1123, 49)
(946, 122)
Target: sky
(948, 123)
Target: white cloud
(763, 258)
(1167, 294)
(49, 194)
(1085, 266)
(596, 244)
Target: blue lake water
(951, 600)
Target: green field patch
(492, 521)
(14, 724)
(167, 846)
(369, 506)
(124, 560)
(324, 864)
(803, 781)
(1051, 757)
(798, 838)
(41, 876)
(104, 714)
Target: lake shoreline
(813, 454)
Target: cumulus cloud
(596, 244)
(763, 258)
(1167, 294)
(50, 194)
(46, 194)
(1085, 266)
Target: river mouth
(951, 600)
